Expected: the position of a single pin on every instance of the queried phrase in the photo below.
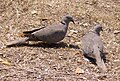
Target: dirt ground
(38, 61)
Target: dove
(92, 46)
(49, 34)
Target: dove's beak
(73, 21)
(101, 29)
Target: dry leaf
(77, 53)
(79, 71)
(79, 61)
(34, 12)
(1, 60)
(116, 32)
(5, 62)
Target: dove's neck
(96, 32)
(65, 23)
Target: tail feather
(17, 42)
(102, 65)
(99, 59)
(100, 62)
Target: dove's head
(97, 29)
(66, 19)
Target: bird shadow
(46, 45)
(93, 60)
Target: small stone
(79, 71)
(34, 12)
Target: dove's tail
(17, 42)
(100, 63)
(99, 59)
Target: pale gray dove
(92, 46)
(49, 34)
